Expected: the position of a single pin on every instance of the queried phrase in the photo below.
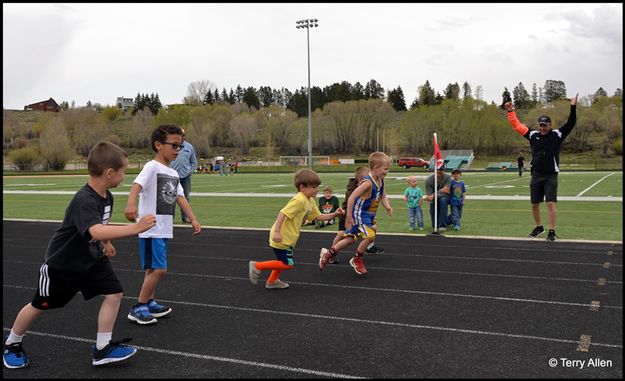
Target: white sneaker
(254, 273)
(276, 285)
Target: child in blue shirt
(413, 195)
(456, 198)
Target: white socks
(103, 339)
(13, 338)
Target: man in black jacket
(545, 145)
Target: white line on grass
(590, 187)
(289, 195)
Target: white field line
(289, 195)
(590, 187)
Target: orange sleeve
(516, 124)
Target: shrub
(24, 158)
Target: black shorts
(342, 223)
(57, 287)
(544, 187)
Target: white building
(124, 103)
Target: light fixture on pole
(308, 23)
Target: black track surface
(430, 307)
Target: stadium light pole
(308, 23)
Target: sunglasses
(175, 145)
(543, 124)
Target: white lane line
(415, 292)
(590, 187)
(375, 322)
(204, 357)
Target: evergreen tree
(414, 104)
(466, 91)
(374, 90)
(426, 94)
(265, 94)
(286, 96)
(298, 103)
(317, 98)
(238, 94)
(452, 91)
(534, 94)
(250, 98)
(554, 90)
(521, 96)
(601, 93)
(358, 92)
(396, 99)
(216, 97)
(208, 98)
(438, 99)
(505, 97)
(154, 103)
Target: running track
(430, 307)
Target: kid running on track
(286, 229)
(362, 206)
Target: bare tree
(196, 91)
(243, 128)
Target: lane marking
(594, 305)
(391, 290)
(584, 343)
(602, 282)
(376, 322)
(205, 357)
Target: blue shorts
(153, 253)
(285, 255)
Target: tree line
(346, 126)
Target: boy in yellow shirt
(302, 208)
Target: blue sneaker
(157, 310)
(141, 314)
(14, 356)
(113, 352)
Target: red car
(409, 162)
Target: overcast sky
(98, 52)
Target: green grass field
(591, 220)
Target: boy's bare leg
(108, 312)
(150, 281)
(25, 318)
(362, 247)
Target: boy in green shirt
(413, 195)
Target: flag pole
(437, 158)
(435, 187)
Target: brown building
(49, 105)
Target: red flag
(437, 154)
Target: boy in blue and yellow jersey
(362, 206)
(285, 231)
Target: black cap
(544, 120)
